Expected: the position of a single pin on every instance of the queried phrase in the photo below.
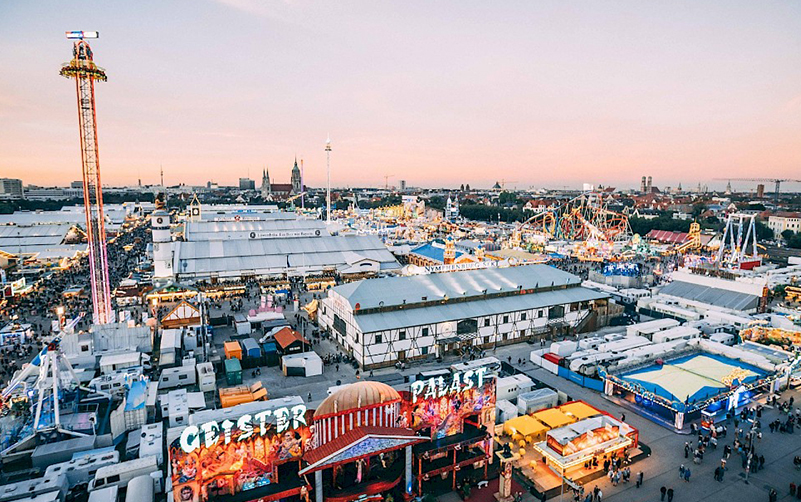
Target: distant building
(11, 187)
(266, 191)
(77, 184)
(270, 190)
(760, 191)
(451, 209)
(780, 222)
(402, 185)
(247, 184)
(296, 179)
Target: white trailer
(493, 364)
(619, 346)
(180, 376)
(536, 400)
(512, 386)
(107, 494)
(141, 489)
(120, 474)
(170, 347)
(648, 328)
(81, 470)
(110, 363)
(677, 333)
(151, 442)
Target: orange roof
(287, 336)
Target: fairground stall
(457, 413)
(565, 444)
(252, 451)
(708, 377)
(579, 445)
(361, 446)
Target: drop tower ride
(85, 72)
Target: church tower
(266, 189)
(296, 181)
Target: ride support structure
(85, 72)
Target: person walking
(686, 449)
(670, 495)
(687, 475)
(681, 471)
(639, 479)
(663, 491)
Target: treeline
(12, 206)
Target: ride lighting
(82, 35)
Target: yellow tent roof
(579, 410)
(523, 425)
(553, 418)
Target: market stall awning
(524, 425)
(553, 418)
(579, 410)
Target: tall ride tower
(328, 180)
(83, 69)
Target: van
(120, 474)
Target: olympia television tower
(83, 69)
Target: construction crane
(386, 180)
(85, 72)
(778, 182)
(504, 182)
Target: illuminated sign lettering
(247, 424)
(459, 382)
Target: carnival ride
(43, 393)
(584, 218)
(83, 69)
(693, 239)
(738, 247)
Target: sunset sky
(539, 93)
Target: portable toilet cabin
(251, 353)
(233, 372)
(233, 350)
(270, 354)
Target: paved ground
(661, 469)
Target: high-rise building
(11, 187)
(402, 185)
(247, 184)
(760, 191)
(78, 185)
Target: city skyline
(543, 95)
